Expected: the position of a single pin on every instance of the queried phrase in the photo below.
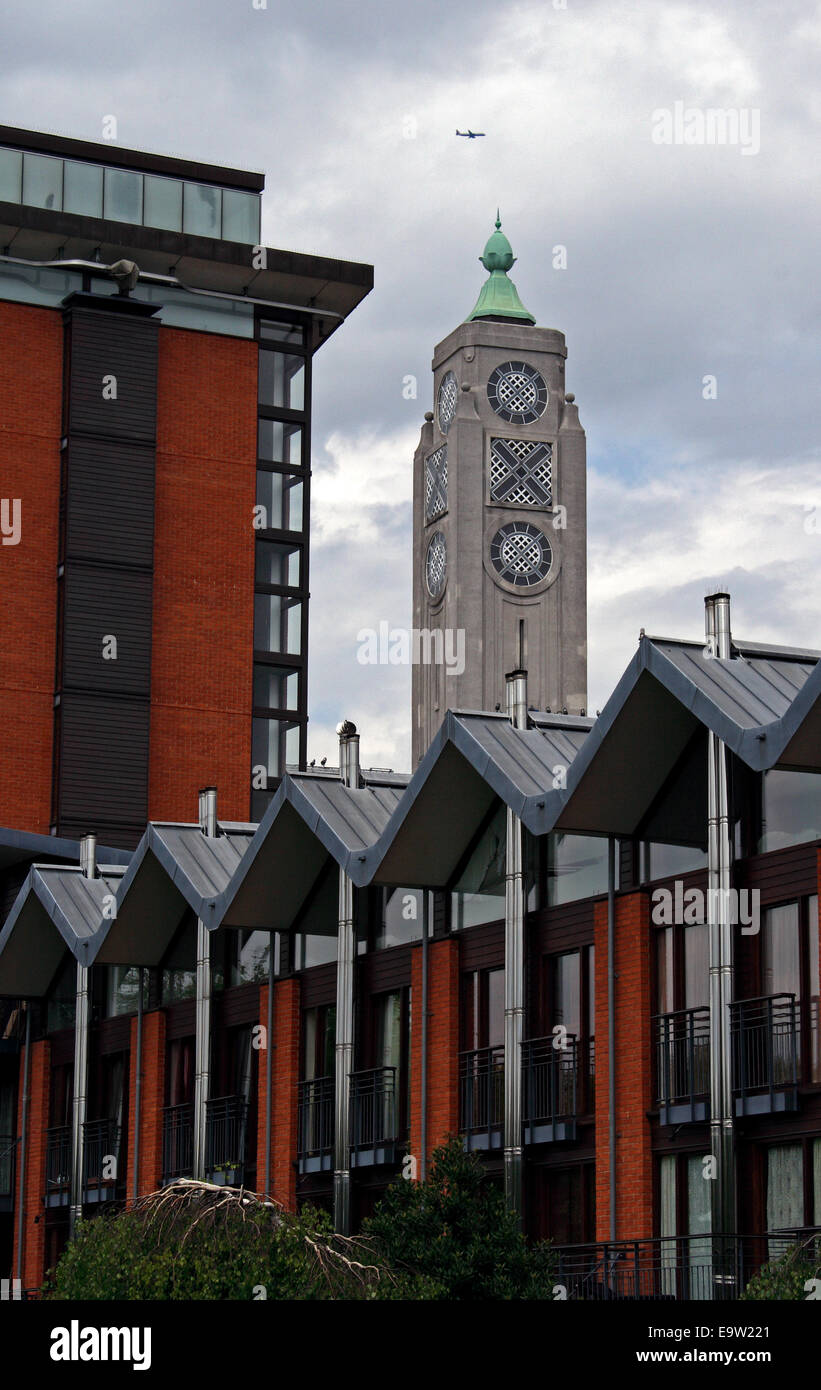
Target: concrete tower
(499, 516)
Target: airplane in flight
(471, 134)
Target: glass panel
(278, 563)
(495, 1008)
(277, 623)
(282, 380)
(202, 210)
(181, 309)
(699, 1224)
(273, 331)
(275, 743)
(163, 203)
(27, 286)
(11, 176)
(696, 966)
(576, 867)
(276, 687)
(8, 1130)
(791, 809)
(280, 442)
(250, 960)
(42, 181)
(280, 494)
(62, 999)
(479, 895)
(240, 217)
(123, 990)
(664, 970)
(591, 991)
(82, 188)
(389, 1030)
(781, 962)
(315, 950)
(566, 995)
(179, 977)
(785, 1191)
(667, 861)
(401, 922)
(123, 196)
(816, 1181)
(814, 988)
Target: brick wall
(201, 664)
(31, 366)
(285, 1079)
(443, 1044)
(34, 1225)
(152, 1101)
(634, 1163)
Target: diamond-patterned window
(517, 392)
(521, 554)
(446, 404)
(521, 473)
(436, 483)
(436, 565)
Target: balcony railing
(225, 1129)
(766, 1049)
(8, 1150)
(374, 1121)
(552, 1086)
(672, 1268)
(177, 1142)
(101, 1160)
(681, 1048)
(58, 1165)
(481, 1097)
(316, 1125)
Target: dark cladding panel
(110, 503)
(103, 762)
(107, 631)
(112, 387)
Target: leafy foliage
(452, 1236)
(786, 1278)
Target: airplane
(471, 134)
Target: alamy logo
(400, 646)
(713, 125)
(689, 907)
(74, 1343)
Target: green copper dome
(499, 298)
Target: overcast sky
(683, 261)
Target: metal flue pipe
(516, 685)
(88, 864)
(346, 955)
(202, 1044)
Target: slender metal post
(269, 1047)
(343, 1059)
(514, 970)
(88, 864)
(21, 1168)
(202, 1046)
(138, 1088)
(611, 1026)
(423, 1122)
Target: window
(240, 217)
(274, 331)
(789, 959)
(685, 1210)
(276, 687)
(202, 209)
(275, 745)
(279, 441)
(249, 954)
(400, 917)
(123, 201)
(277, 624)
(791, 809)
(436, 483)
(483, 1014)
(569, 1002)
(669, 861)
(278, 563)
(280, 495)
(11, 176)
(179, 968)
(82, 188)
(479, 893)
(163, 203)
(576, 867)
(42, 182)
(319, 1042)
(281, 380)
(521, 473)
(61, 1001)
(122, 990)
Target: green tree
(788, 1277)
(452, 1236)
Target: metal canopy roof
(57, 907)
(174, 868)
(20, 847)
(313, 817)
(473, 758)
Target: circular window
(517, 392)
(436, 565)
(446, 405)
(521, 555)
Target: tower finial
(498, 221)
(499, 298)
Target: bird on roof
(471, 134)
(322, 762)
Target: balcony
(681, 1052)
(58, 1165)
(482, 1097)
(225, 1129)
(374, 1125)
(552, 1086)
(177, 1142)
(702, 1267)
(766, 1048)
(315, 1117)
(8, 1150)
(101, 1160)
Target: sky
(690, 299)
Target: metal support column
(346, 955)
(202, 1045)
(88, 864)
(514, 971)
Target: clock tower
(499, 516)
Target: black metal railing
(58, 1164)
(8, 1150)
(101, 1159)
(315, 1136)
(766, 1048)
(681, 1051)
(552, 1084)
(177, 1141)
(374, 1121)
(226, 1120)
(482, 1096)
(677, 1267)
(588, 1102)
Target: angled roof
(312, 817)
(20, 846)
(473, 759)
(57, 907)
(174, 868)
